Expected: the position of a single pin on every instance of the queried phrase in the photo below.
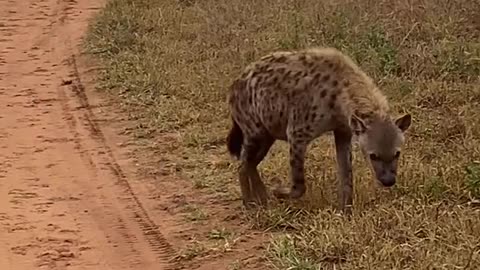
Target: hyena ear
(404, 122)
(357, 125)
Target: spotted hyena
(296, 96)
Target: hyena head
(380, 141)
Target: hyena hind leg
(253, 188)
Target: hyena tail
(235, 140)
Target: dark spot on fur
(333, 97)
(328, 63)
(323, 93)
(314, 107)
(288, 83)
(260, 93)
(316, 58)
(289, 72)
(301, 136)
(346, 83)
(297, 80)
(281, 59)
(331, 104)
(326, 78)
(334, 83)
(316, 78)
(274, 80)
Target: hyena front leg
(343, 147)
(298, 149)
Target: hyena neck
(367, 102)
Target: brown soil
(69, 194)
(65, 201)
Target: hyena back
(297, 96)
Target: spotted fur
(297, 96)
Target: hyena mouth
(387, 181)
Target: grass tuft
(473, 179)
(170, 63)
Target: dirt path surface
(65, 203)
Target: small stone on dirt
(67, 82)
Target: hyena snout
(387, 178)
(385, 172)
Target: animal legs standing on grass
(255, 148)
(254, 190)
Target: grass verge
(170, 64)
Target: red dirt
(65, 201)
(70, 197)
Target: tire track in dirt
(149, 228)
(65, 202)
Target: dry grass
(171, 62)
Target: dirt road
(65, 203)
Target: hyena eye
(397, 154)
(373, 157)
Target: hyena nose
(388, 179)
